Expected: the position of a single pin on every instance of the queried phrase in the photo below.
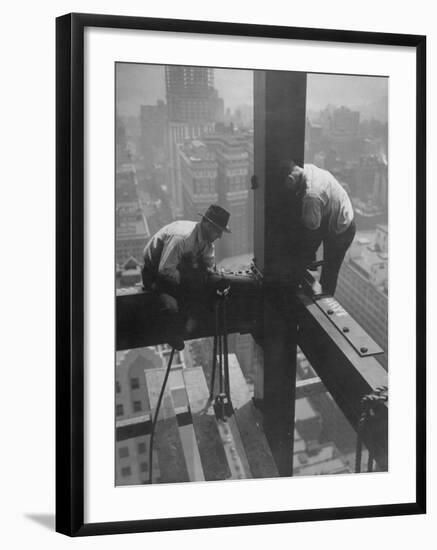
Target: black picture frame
(70, 272)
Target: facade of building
(198, 174)
(217, 169)
(345, 123)
(131, 228)
(177, 134)
(193, 108)
(153, 134)
(132, 404)
(191, 96)
(120, 142)
(233, 184)
(125, 182)
(363, 285)
(344, 136)
(371, 181)
(131, 231)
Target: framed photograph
(240, 274)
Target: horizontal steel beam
(140, 323)
(347, 375)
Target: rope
(225, 350)
(214, 353)
(220, 348)
(158, 406)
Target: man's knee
(169, 303)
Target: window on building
(142, 448)
(134, 383)
(126, 471)
(119, 410)
(123, 452)
(117, 386)
(144, 467)
(137, 406)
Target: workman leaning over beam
(326, 215)
(177, 260)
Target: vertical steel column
(279, 136)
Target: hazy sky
(351, 91)
(139, 84)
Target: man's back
(325, 201)
(166, 248)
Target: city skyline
(186, 151)
(144, 84)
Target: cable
(225, 350)
(214, 351)
(158, 405)
(221, 349)
(359, 445)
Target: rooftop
(132, 224)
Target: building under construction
(215, 422)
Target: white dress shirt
(325, 200)
(164, 252)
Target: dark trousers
(178, 303)
(334, 249)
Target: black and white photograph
(219, 337)
(252, 266)
(240, 274)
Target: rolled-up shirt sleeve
(170, 259)
(312, 212)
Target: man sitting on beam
(182, 251)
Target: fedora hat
(218, 216)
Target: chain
(369, 412)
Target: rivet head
(364, 350)
(330, 312)
(345, 329)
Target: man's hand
(169, 303)
(193, 272)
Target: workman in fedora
(178, 257)
(326, 215)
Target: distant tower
(153, 128)
(193, 108)
(191, 96)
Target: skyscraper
(153, 131)
(191, 96)
(198, 171)
(363, 285)
(193, 108)
(233, 173)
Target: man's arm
(169, 277)
(312, 212)
(311, 232)
(194, 270)
(208, 257)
